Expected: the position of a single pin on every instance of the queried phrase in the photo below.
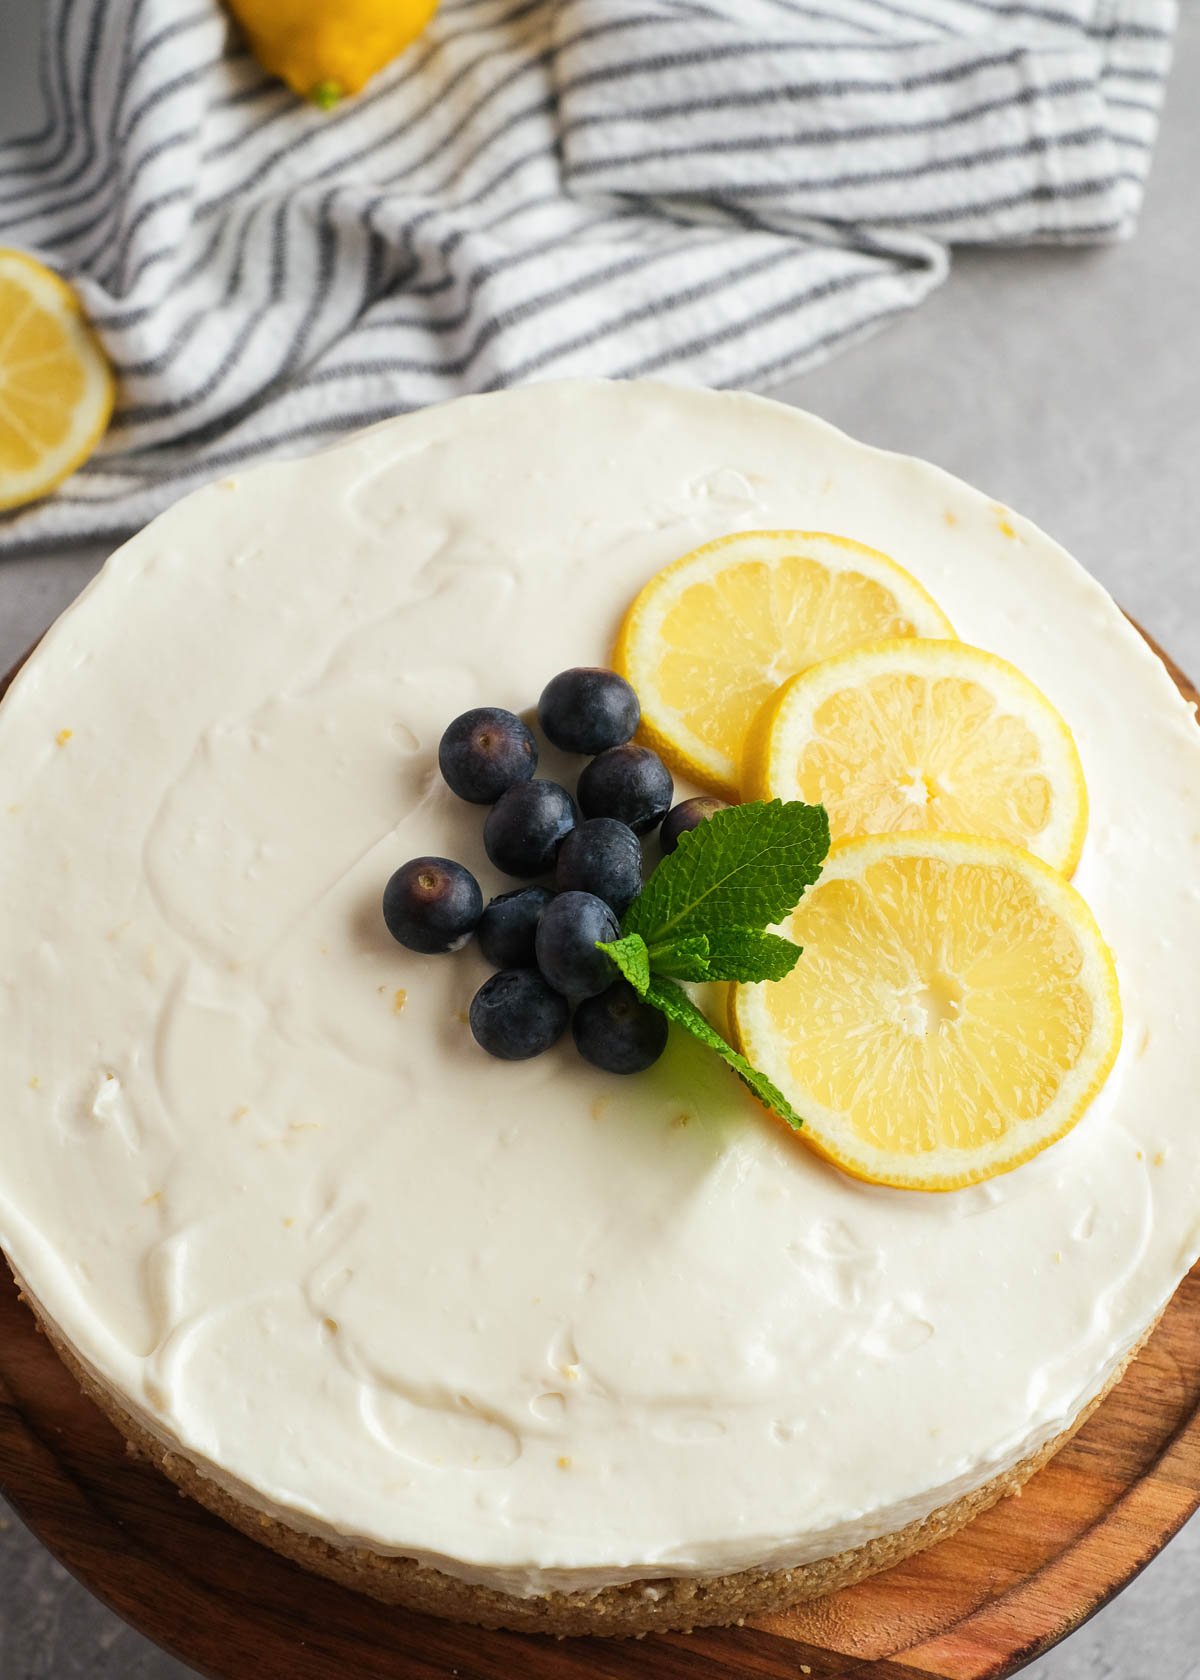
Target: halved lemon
(56, 388)
(954, 1012)
(712, 636)
(911, 735)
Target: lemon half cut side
(56, 388)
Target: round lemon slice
(954, 1012)
(711, 638)
(56, 389)
(913, 735)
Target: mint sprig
(706, 912)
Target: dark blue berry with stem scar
(629, 783)
(588, 709)
(682, 818)
(601, 856)
(567, 933)
(508, 925)
(526, 826)
(432, 904)
(486, 751)
(616, 1031)
(515, 1015)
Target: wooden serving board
(977, 1607)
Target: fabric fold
(1029, 128)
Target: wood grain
(976, 1607)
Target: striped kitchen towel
(711, 190)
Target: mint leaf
(631, 957)
(725, 954)
(684, 959)
(677, 1006)
(730, 954)
(743, 954)
(746, 867)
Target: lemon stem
(326, 95)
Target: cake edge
(631, 1609)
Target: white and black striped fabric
(713, 190)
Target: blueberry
(515, 1015)
(629, 783)
(604, 857)
(509, 923)
(682, 818)
(525, 826)
(588, 709)
(432, 904)
(618, 1032)
(486, 751)
(566, 944)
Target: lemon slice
(711, 638)
(912, 735)
(955, 1010)
(56, 389)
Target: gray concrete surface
(1065, 383)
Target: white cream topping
(540, 1326)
